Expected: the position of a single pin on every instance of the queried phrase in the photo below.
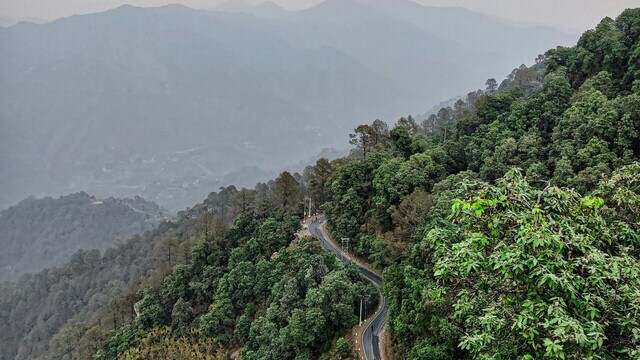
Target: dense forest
(220, 277)
(40, 233)
(506, 226)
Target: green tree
(541, 256)
(491, 85)
(181, 316)
(380, 137)
(151, 310)
(362, 139)
(244, 202)
(319, 181)
(286, 193)
(343, 349)
(402, 141)
(242, 329)
(408, 123)
(411, 213)
(218, 321)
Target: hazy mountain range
(267, 9)
(159, 101)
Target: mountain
(38, 305)
(234, 6)
(40, 233)
(145, 101)
(269, 9)
(6, 21)
(266, 9)
(435, 51)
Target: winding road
(371, 335)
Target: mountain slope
(269, 9)
(107, 96)
(234, 6)
(40, 233)
(439, 52)
(130, 100)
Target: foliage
(343, 349)
(304, 293)
(540, 273)
(244, 287)
(545, 267)
(94, 291)
(41, 233)
(287, 193)
(82, 290)
(161, 343)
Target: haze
(570, 15)
(225, 98)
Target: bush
(343, 349)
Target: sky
(570, 15)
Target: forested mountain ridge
(504, 226)
(481, 260)
(35, 308)
(41, 233)
(192, 264)
(59, 300)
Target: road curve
(371, 336)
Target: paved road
(371, 338)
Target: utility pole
(307, 213)
(366, 310)
(360, 310)
(345, 245)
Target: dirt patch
(387, 350)
(303, 231)
(355, 339)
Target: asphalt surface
(371, 337)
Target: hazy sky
(573, 15)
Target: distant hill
(6, 21)
(267, 9)
(234, 6)
(40, 233)
(144, 101)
